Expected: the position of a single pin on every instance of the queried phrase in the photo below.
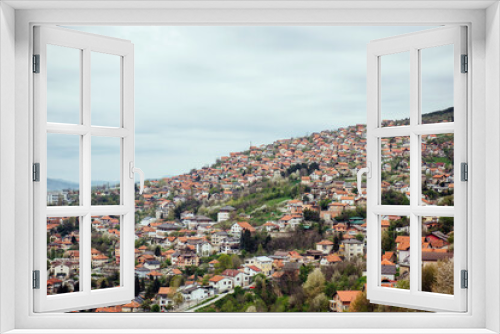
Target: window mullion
(85, 237)
(414, 170)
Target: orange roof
(110, 309)
(53, 281)
(132, 304)
(216, 278)
(435, 250)
(403, 246)
(325, 242)
(401, 238)
(164, 291)
(333, 258)
(387, 255)
(348, 296)
(387, 263)
(246, 226)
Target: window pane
(395, 89)
(105, 252)
(106, 88)
(63, 84)
(437, 84)
(106, 171)
(395, 171)
(395, 246)
(63, 255)
(437, 254)
(437, 169)
(63, 169)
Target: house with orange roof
(163, 297)
(99, 260)
(388, 270)
(133, 306)
(389, 256)
(237, 277)
(343, 299)
(270, 227)
(220, 283)
(403, 248)
(238, 228)
(330, 259)
(324, 246)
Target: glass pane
(437, 84)
(395, 246)
(437, 254)
(106, 171)
(437, 169)
(395, 171)
(105, 252)
(106, 87)
(63, 255)
(63, 169)
(63, 84)
(395, 89)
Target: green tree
(324, 203)
(319, 303)
(403, 284)
(146, 304)
(311, 215)
(155, 308)
(178, 299)
(429, 273)
(225, 262)
(137, 286)
(361, 304)
(388, 241)
(251, 308)
(304, 272)
(444, 277)
(315, 284)
(158, 251)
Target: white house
(239, 227)
(224, 213)
(221, 283)
(352, 248)
(238, 277)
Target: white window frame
(413, 43)
(483, 20)
(124, 51)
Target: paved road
(210, 301)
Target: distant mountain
(440, 115)
(432, 117)
(56, 184)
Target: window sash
(86, 297)
(413, 298)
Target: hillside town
(277, 228)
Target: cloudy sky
(202, 92)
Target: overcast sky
(202, 92)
